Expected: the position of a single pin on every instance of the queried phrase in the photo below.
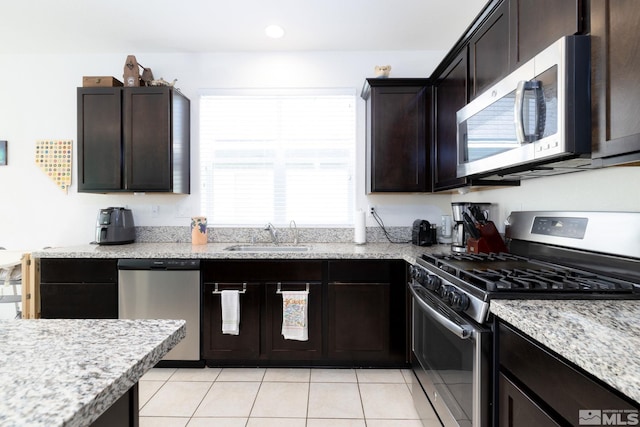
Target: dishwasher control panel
(158, 264)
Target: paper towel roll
(360, 230)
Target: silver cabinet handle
(216, 291)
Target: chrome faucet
(273, 231)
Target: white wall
(610, 189)
(38, 101)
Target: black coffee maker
(423, 233)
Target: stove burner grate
(512, 273)
(543, 280)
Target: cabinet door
(615, 59)
(242, 347)
(147, 138)
(367, 312)
(79, 288)
(397, 155)
(99, 139)
(79, 300)
(358, 321)
(451, 95)
(279, 348)
(517, 409)
(536, 24)
(489, 51)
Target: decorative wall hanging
(54, 158)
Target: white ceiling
(190, 26)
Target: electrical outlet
(155, 211)
(372, 209)
(183, 210)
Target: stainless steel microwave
(535, 121)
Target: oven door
(452, 361)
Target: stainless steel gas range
(552, 255)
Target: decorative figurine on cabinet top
(382, 71)
(131, 74)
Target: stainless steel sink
(274, 248)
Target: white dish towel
(294, 315)
(230, 307)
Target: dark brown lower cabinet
(519, 410)
(276, 346)
(537, 387)
(73, 288)
(359, 321)
(123, 413)
(356, 313)
(241, 347)
(260, 340)
(367, 310)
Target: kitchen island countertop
(67, 372)
(602, 337)
(405, 251)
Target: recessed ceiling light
(274, 31)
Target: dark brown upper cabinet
(450, 92)
(398, 117)
(615, 95)
(515, 32)
(536, 24)
(489, 50)
(133, 140)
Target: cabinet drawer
(261, 271)
(54, 270)
(373, 271)
(79, 300)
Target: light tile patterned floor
(282, 397)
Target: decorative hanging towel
(294, 315)
(230, 307)
(54, 158)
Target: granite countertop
(61, 372)
(602, 337)
(404, 251)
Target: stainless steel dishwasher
(163, 289)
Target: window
(277, 157)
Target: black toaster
(421, 233)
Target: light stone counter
(602, 337)
(61, 372)
(408, 252)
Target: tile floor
(282, 397)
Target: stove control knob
(433, 282)
(417, 274)
(444, 291)
(458, 301)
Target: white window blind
(277, 157)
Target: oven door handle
(461, 331)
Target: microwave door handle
(541, 109)
(460, 331)
(518, 111)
